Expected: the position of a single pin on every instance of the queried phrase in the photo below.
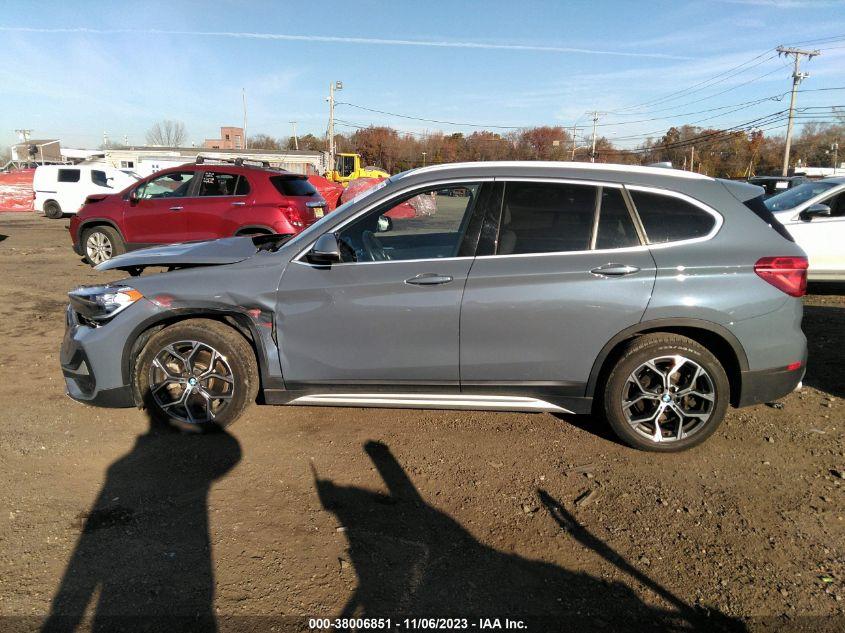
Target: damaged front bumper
(92, 366)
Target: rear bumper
(769, 384)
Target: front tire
(52, 210)
(198, 375)
(102, 243)
(666, 393)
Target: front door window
(171, 185)
(427, 224)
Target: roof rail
(238, 162)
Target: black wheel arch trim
(96, 222)
(656, 325)
(145, 330)
(240, 231)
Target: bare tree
(167, 133)
(263, 141)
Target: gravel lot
(339, 512)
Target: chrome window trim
(373, 205)
(719, 221)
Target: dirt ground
(325, 512)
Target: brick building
(230, 138)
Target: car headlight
(100, 303)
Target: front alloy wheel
(197, 374)
(191, 381)
(98, 247)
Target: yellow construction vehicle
(347, 167)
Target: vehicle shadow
(144, 552)
(825, 330)
(412, 560)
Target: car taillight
(293, 215)
(787, 274)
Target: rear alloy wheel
(667, 393)
(198, 375)
(52, 210)
(101, 244)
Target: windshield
(793, 197)
(317, 228)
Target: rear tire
(52, 210)
(666, 393)
(101, 243)
(198, 375)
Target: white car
(61, 189)
(814, 214)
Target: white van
(61, 189)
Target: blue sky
(73, 70)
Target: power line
(697, 87)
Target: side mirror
(326, 250)
(133, 196)
(385, 223)
(815, 211)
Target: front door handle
(429, 279)
(615, 270)
(176, 208)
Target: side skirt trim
(428, 401)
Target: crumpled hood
(208, 253)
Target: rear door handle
(429, 279)
(176, 208)
(239, 204)
(615, 270)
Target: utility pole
(834, 147)
(105, 140)
(23, 135)
(126, 140)
(593, 150)
(335, 85)
(692, 158)
(243, 96)
(797, 78)
(423, 155)
(295, 139)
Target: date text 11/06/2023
(430, 624)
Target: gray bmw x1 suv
(653, 297)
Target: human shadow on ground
(825, 330)
(144, 551)
(413, 560)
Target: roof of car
(837, 179)
(593, 170)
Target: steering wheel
(373, 247)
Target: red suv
(197, 201)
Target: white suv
(814, 214)
(61, 189)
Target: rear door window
(68, 175)
(215, 183)
(668, 218)
(540, 217)
(616, 227)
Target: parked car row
(654, 297)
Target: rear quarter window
(670, 219)
(293, 186)
(68, 175)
